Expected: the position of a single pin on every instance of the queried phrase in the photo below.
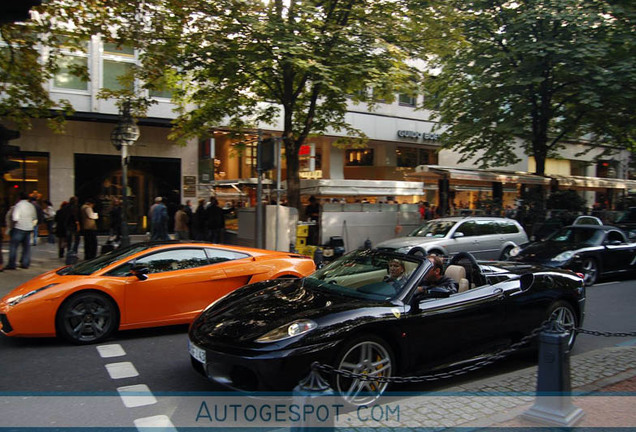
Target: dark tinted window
(468, 228)
(507, 227)
(166, 260)
(221, 255)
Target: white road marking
(113, 350)
(121, 370)
(161, 421)
(136, 395)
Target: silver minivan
(485, 237)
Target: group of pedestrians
(73, 221)
(207, 222)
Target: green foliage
(258, 63)
(541, 71)
(566, 200)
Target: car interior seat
(458, 274)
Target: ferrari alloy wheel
(590, 271)
(562, 315)
(368, 356)
(87, 318)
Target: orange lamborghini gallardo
(142, 285)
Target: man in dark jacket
(435, 277)
(215, 221)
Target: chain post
(312, 387)
(553, 403)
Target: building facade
(402, 161)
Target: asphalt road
(158, 361)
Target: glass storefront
(99, 177)
(31, 176)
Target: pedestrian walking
(88, 223)
(215, 221)
(159, 220)
(181, 223)
(115, 221)
(198, 221)
(49, 218)
(34, 199)
(24, 217)
(61, 228)
(188, 211)
(72, 222)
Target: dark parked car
(265, 336)
(593, 250)
(627, 222)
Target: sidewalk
(603, 382)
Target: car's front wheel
(590, 271)
(87, 317)
(369, 356)
(561, 314)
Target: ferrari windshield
(98, 263)
(579, 235)
(367, 274)
(434, 229)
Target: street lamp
(124, 135)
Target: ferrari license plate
(196, 352)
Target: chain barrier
(466, 369)
(605, 333)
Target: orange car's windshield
(98, 263)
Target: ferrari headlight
(12, 301)
(515, 251)
(563, 256)
(289, 330)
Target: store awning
(424, 171)
(516, 177)
(341, 187)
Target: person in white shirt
(24, 217)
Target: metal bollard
(308, 394)
(553, 403)
(318, 257)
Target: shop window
(410, 157)
(32, 175)
(359, 157)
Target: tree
(542, 71)
(247, 63)
(29, 57)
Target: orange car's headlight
(12, 301)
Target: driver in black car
(435, 277)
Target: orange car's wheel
(87, 317)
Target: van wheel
(505, 254)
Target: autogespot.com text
(136, 409)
